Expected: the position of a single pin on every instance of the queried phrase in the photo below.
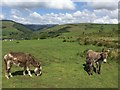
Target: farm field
(73, 43)
(63, 66)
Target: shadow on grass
(87, 69)
(16, 73)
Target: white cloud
(15, 12)
(35, 15)
(54, 4)
(107, 4)
(105, 19)
(113, 14)
(77, 14)
(2, 16)
(20, 19)
(84, 16)
(95, 0)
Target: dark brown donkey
(23, 60)
(97, 58)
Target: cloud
(84, 16)
(17, 16)
(54, 4)
(60, 4)
(15, 12)
(95, 0)
(113, 14)
(105, 19)
(35, 15)
(107, 4)
(2, 16)
(20, 19)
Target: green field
(61, 50)
(62, 66)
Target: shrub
(64, 40)
(114, 54)
(86, 41)
(99, 44)
(43, 35)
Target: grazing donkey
(97, 58)
(23, 60)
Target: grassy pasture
(62, 66)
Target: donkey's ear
(103, 49)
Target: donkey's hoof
(11, 75)
(7, 77)
(30, 75)
(99, 73)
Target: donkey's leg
(29, 73)
(24, 70)
(10, 75)
(7, 74)
(8, 67)
(99, 68)
(97, 65)
(91, 69)
(6, 70)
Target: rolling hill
(37, 27)
(11, 29)
(85, 34)
(78, 29)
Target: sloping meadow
(63, 66)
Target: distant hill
(11, 29)
(76, 30)
(37, 27)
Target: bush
(43, 35)
(99, 44)
(114, 54)
(64, 40)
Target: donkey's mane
(34, 62)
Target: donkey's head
(105, 55)
(37, 65)
(38, 69)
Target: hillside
(62, 52)
(78, 29)
(11, 29)
(85, 34)
(37, 27)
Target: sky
(59, 11)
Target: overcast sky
(60, 11)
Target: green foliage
(43, 35)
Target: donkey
(22, 60)
(97, 58)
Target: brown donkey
(97, 58)
(23, 60)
